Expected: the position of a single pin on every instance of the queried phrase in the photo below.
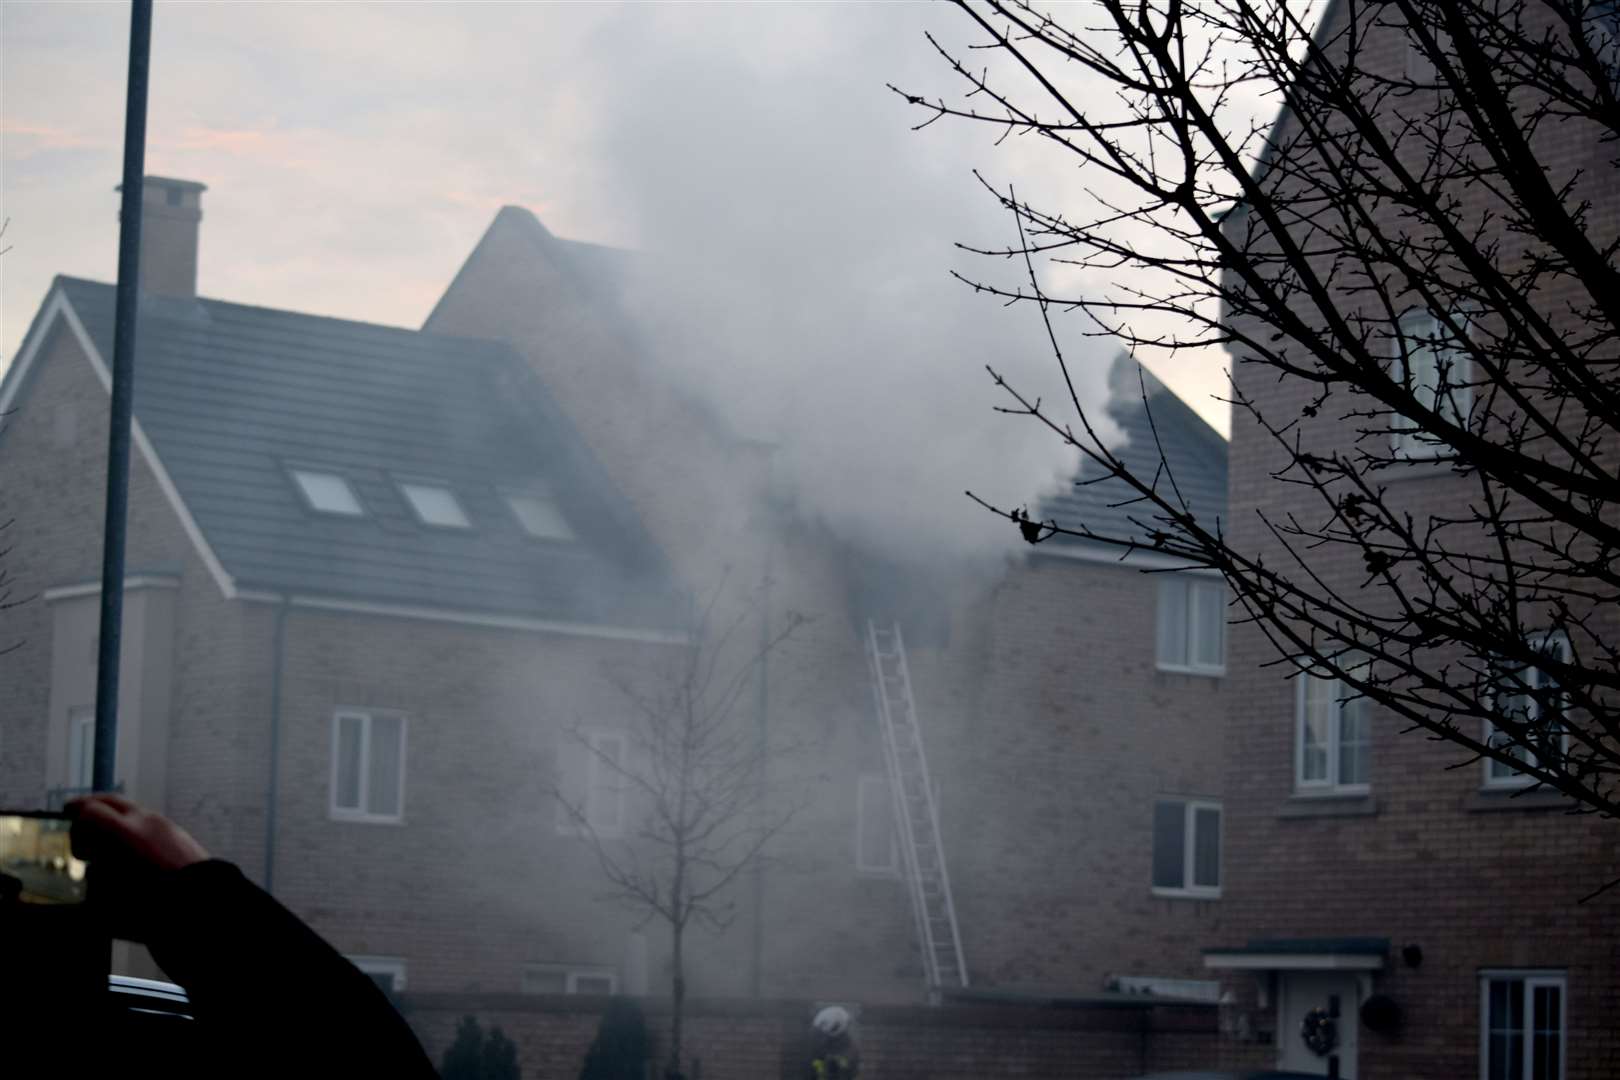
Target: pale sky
(355, 152)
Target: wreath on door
(1320, 1032)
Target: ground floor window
(1187, 848)
(388, 972)
(1522, 1025)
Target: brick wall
(756, 1040)
(1477, 880)
(1048, 778)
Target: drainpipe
(278, 651)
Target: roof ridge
(365, 324)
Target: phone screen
(36, 861)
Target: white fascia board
(1108, 555)
(17, 374)
(93, 588)
(1293, 961)
(474, 618)
(216, 569)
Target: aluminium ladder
(916, 812)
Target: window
(1529, 696)
(1331, 737)
(1192, 625)
(567, 979)
(1187, 848)
(435, 504)
(368, 766)
(591, 785)
(539, 516)
(876, 850)
(388, 972)
(1433, 366)
(1521, 1029)
(327, 493)
(81, 746)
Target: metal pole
(123, 385)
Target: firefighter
(833, 1055)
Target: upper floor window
(876, 851)
(327, 493)
(1331, 737)
(1528, 696)
(434, 504)
(1187, 848)
(539, 516)
(1522, 1025)
(569, 979)
(1192, 624)
(591, 787)
(368, 766)
(1432, 364)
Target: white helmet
(832, 1021)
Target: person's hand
(112, 829)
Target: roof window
(538, 514)
(327, 493)
(435, 504)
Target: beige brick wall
(1476, 882)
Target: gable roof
(1152, 418)
(230, 396)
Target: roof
(230, 396)
(1152, 417)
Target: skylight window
(539, 516)
(435, 504)
(327, 493)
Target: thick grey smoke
(797, 238)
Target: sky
(796, 224)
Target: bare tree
(692, 777)
(1414, 268)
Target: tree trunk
(677, 1004)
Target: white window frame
(410, 484)
(1421, 332)
(595, 768)
(1515, 779)
(572, 975)
(392, 966)
(81, 762)
(1189, 850)
(360, 813)
(1532, 978)
(1329, 785)
(1210, 588)
(873, 788)
(295, 472)
(543, 499)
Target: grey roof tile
(230, 395)
(1194, 452)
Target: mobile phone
(57, 952)
(37, 865)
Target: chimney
(170, 213)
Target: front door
(1316, 1023)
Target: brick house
(1372, 865)
(376, 572)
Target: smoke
(796, 240)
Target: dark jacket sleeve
(267, 989)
